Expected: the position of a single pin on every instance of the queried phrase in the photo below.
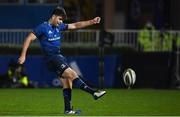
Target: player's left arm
(83, 24)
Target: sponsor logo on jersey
(54, 39)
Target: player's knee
(70, 74)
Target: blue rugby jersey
(50, 37)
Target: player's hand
(96, 20)
(21, 59)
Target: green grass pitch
(121, 102)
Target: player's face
(57, 20)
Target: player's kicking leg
(95, 93)
(77, 82)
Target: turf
(121, 102)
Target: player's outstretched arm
(26, 44)
(83, 24)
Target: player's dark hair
(59, 11)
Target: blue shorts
(57, 64)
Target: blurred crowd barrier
(140, 40)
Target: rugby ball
(129, 77)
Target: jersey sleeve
(63, 26)
(38, 31)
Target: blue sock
(67, 98)
(80, 84)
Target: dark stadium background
(154, 69)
